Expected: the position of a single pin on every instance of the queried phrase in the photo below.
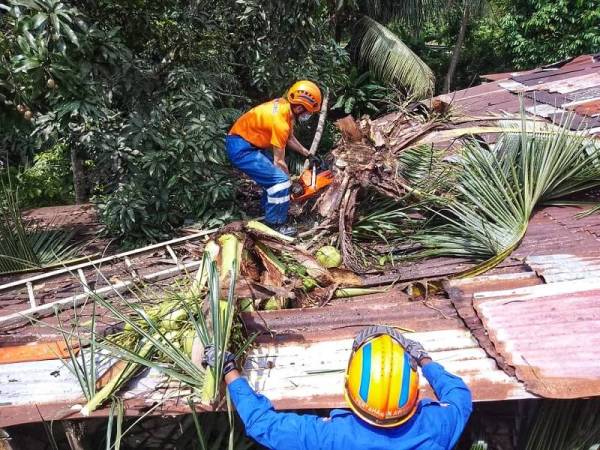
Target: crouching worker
(381, 388)
(270, 126)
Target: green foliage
(48, 181)
(390, 59)
(506, 35)
(565, 425)
(143, 92)
(362, 95)
(535, 32)
(174, 160)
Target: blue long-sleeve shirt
(435, 425)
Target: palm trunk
(78, 176)
(457, 48)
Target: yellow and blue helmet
(382, 383)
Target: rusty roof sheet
(302, 363)
(311, 374)
(546, 334)
(549, 333)
(569, 87)
(299, 361)
(565, 267)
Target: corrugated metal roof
(565, 267)
(299, 362)
(550, 333)
(559, 87)
(311, 375)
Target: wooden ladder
(35, 309)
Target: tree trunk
(457, 48)
(78, 176)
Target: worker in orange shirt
(270, 126)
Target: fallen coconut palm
(162, 329)
(394, 196)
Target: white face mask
(304, 117)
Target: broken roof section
(549, 92)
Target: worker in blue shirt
(381, 388)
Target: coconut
(329, 257)
(309, 284)
(246, 305)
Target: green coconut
(329, 257)
(246, 305)
(309, 284)
(272, 304)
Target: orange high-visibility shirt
(266, 125)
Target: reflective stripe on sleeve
(278, 187)
(278, 200)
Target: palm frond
(155, 338)
(389, 59)
(499, 189)
(411, 13)
(566, 425)
(589, 212)
(25, 246)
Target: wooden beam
(32, 302)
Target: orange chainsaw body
(309, 189)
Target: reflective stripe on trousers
(258, 165)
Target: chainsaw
(309, 183)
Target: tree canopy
(129, 101)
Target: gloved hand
(414, 348)
(210, 359)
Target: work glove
(413, 348)
(210, 359)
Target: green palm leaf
(411, 13)
(499, 189)
(389, 59)
(24, 246)
(565, 425)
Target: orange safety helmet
(307, 94)
(381, 384)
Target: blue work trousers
(258, 165)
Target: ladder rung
(172, 254)
(31, 295)
(84, 282)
